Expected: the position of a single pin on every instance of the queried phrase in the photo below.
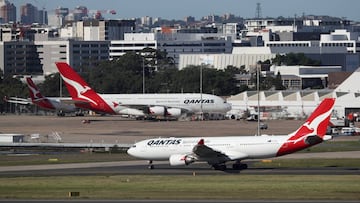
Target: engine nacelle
(157, 110)
(163, 111)
(174, 112)
(181, 159)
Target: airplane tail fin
(81, 92)
(77, 87)
(33, 90)
(318, 121)
(313, 131)
(36, 97)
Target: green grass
(35, 159)
(307, 163)
(76, 157)
(235, 187)
(185, 187)
(335, 146)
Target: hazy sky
(178, 9)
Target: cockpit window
(134, 146)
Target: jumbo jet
(61, 105)
(167, 105)
(216, 151)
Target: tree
(292, 59)
(278, 84)
(11, 87)
(51, 86)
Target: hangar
(300, 103)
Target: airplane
(167, 105)
(216, 151)
(61, 105)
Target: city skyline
(199, 8)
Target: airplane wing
(72, 101)
(17, 100)
(205, 152)
(143, 106)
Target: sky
(178, 9)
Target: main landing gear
(239, 166)
(236, 166)
(150, 166)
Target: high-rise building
(7, 12)
(93, 30)
(29, 14)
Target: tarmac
(116, 129)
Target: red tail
(81, 91)
(36, 97)
(312, 131)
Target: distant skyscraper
(146, 20)
(189, 19)
(7, 11)
(43, 17)
(29, 14)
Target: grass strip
(235, 187)
(306, 163)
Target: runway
(161, 168)
(120, 130)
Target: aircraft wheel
(239, 166)
(220, 167)
(151, 166)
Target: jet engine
(180, 159)
(163, 111)
(174, 112)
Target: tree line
(159, 73)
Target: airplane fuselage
(218, 150)
(205, 103)
(55, 104)
(244, 147)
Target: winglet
(201, 142)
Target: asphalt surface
(163, 168)
(116, 129)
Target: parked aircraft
(61, 105)
(167, 105)
(216, 151)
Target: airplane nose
(130, 151)
(228, 107)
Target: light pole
(258, 97)
(143, 76)
(201, 103)
(60, 88)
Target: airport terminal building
(300, 103)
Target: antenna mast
(258, 11)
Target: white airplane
(216, 151)
(61, 105)
(168, 105)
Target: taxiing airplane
(167, 105)
(61, 105)
(216, 151)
